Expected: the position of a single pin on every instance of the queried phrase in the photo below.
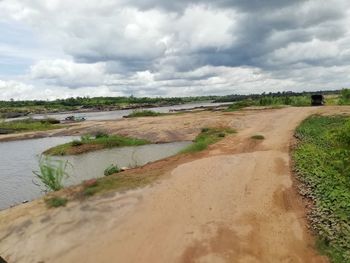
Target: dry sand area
(234, 202)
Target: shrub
(101, 134)
(77, 143)
(112, 169)
(144, 113)
(51, 173)
(50, 121)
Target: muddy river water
(18, 160)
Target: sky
(62, 48)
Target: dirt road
(235, 202)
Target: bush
(144, 113)
(76, 143)
(112, 169)
(51, 173)
(50, 121)
(101, 134)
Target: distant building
(317, 100)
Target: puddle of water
(19, 158)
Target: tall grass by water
(52, 173)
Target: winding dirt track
(234, 202)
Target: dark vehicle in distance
(317, 100)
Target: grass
(206, 137)
(144, 113)
(88, 143)
(258, 137)
(322, 165)
(51, 173)
(112, 169)
(117, 183)
(56, 201)
(28, 125)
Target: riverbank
(252, 175)
(257, 202)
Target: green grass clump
(117, 183)
(112, 169)
(51, 173)
(144, 113)
(28, 125)
(93, 143)
(258, 137)
(322, 163)
(56, 201)
(206, 137)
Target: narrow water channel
(18, 160)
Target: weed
(51, 173)
(206, 137)
(56, 201)
(76, 143)
(112, 169)
(258, 137)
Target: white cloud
(178, 48)
(69, 74)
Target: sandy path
(235, 203)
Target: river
(18, 160)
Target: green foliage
(285, 100)
(112, 169)
(241, 104)
(322, 163)
(274, 101)
(144, 113)
(258, 137)
(115, 183)
(344, 98)
(56, 201)
(108, 141)
(206, 137)
(52, 173)
(101, 134)
(76, 143)
(28, 125)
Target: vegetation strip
(322, 164)
(144, 113)
(7, 127)
(88, 143)
(206, 137)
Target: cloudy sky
(63, 48)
